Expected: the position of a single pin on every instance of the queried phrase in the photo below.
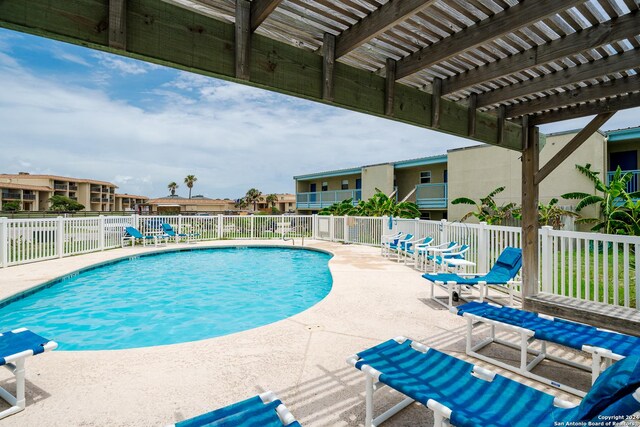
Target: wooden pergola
(489, 70)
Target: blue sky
(68, 110)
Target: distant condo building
(34, 191)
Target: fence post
(483, 248)
(220, 218)
(4, 241)
(443, 231)
(345, 229)
(253, 224)
(135, 222)
(332, 226)
(179, 223)
(314, 226)
(60, 237)
(101, 232)
(547, 268)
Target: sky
(71, 111)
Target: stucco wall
(379, 176)
(334, 182)
(476, 171)
(408, 178)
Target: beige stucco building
(286, 203)
(473, 172)
(33, 191)
(194, 205)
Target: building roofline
(56, 177)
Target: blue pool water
(173, 297)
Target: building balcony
(96, 189)
(431, 196)
(323, 199)
(28, 196)
(60, 187)
(96, 200)
(632, 185)
(11, 195)
(73, 187)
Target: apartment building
(422, 181)
(196, 204)
(29, 197)
(130, 203)
(433, 182)
(286, 203)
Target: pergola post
(530, 158)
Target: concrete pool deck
(301, 358)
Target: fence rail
(587, 266)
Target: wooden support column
(390, 87)
(118, 24)
(436, 97)
(502, 116)
(530, 262)
(473, 101)
(328, 63)
(243, 39)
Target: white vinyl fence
(588, 266)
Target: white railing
(587, 266)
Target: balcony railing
(60, 186)
(632, 186)
(96, 199)
(28, 196)
(322, 199)
(11, 195)
(431, 196)
(73, 187)
(96, 189)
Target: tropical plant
(616, 205)
(189, 180)
(64, 204)
(252, 197)
(378, 205)
(172, 187)
(11, 206)
(241, 203)
(271, 200)
(487, 210)
(552, 214)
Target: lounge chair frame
(599, 356)
(441, 413)
(450, 287)
(15, 364)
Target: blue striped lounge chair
(264, 410)
(169, 231)
(15, 347)
(603, 346)
(393, 245)
(133, 235)
(407, 247)
(503, 273)
(387, 239)
(465, 395)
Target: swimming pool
(173, 297)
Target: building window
(425, 215)
(325, 186)
(425, 177)
(345, 184)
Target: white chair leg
(368, 422)
(450, 287)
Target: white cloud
(121, 65)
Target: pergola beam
(590, 38)
(118, 24)
(591, 70)
(588, 109)
(260, 10)
(243, 39)
(328, 63)
(520, 15)
(379, 21)
(572, 146)
(165, 34)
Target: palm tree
(551, 214)
(172, 187)
(253, 196)
(614, 202)
(190, 180)
(382, 205)
(487, 210)
(344, 207)
(271, 200)
(241, 203)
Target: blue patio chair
(15, 347)
(412, 249)
(132, 235)
(393, 244)
(603, 346)
(462, 394)
(264, 410)
(169, 231)
(503, 273)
